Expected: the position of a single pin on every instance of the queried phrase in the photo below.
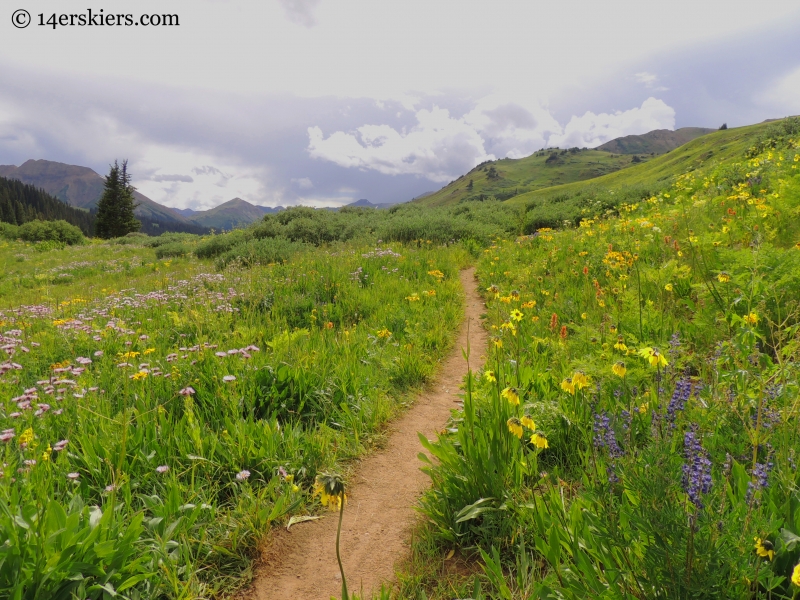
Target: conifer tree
(115, 209)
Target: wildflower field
(634, 431)
(157, 416)
(166, 401)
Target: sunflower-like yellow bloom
(620, 345)
(528, 422)
(619, 369)
(796, 575)
(511, 395)
(539, 440)
(568, 386)
(723, 277)
(516, 315)
(515, 427)
(668, 287)
(494, 290)
(580, 380)
(764, 548)
(489, 376)
(330, 489)
(751, 319)
(653, 356)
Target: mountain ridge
(81, 187)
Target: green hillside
(21, 203)
(507, 178)
(658, 141)
(550, 207)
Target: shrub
(171, 249)
(45, 231)
(218, 244)
(9, 231)
(168, 238)
(259, 252)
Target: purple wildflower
(682, 392)
(697, 469)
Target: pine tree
(115, 209)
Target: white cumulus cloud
(591, 130)
(441, 147)
(437, 147)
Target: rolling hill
(507, 178)
(552, 206)
(658, 141)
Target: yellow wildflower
(498, 343)
(384, 333)
(723, 277)
(751, 319)
(668, 287)
(620, 345)
(489, 376)
(568, 386)
(511, 395)
(149, 351)
(26, 437)
(413, 297)
(515, 427)
(584, 316)
(532, 303)
(653, 356)
(580, 380)
(539, 440)
(516, 315)
(528, 422)
(619, 369)
(796, 575)
(494, 290)
(139, 375)
(764, 548)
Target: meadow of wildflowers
(158, 416)
(634, 431)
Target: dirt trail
(301, 564)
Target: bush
(171, 249)
(168, 238)
(218, 244)
(135, 238)
(9, 231)
(260, 252)
(46, 231)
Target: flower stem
(345, 595)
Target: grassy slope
(518, 176)
(705, 151)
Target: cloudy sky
(322, 102)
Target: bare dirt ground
(379, 516)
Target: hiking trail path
(379, 517)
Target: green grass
(517, 177)
(704, 273)
(167, 378)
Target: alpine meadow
(178, 411)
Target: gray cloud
(183, 178)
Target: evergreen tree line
(21, 203)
